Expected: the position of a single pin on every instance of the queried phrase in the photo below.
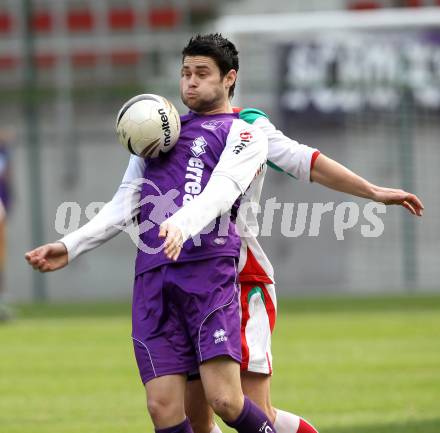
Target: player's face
(202, 88)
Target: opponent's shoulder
(251, 115)
(240, 126)
(242, 135)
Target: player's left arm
(333, 175)
(243, 156)
(308, 164)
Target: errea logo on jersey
(193, 179)
(198, 146)
(245, 138)
(220, 336)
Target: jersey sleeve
(287, 155)
(113, 217)
(135, 171)
(216, 199)
(243, 156)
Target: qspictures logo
(293, 219)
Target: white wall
(260, 6)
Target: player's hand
(48, 258)
(173, 240)
(391, 196)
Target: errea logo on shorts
(220, 336)
(265, 428)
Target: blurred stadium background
(357, 79)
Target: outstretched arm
(306, 163)
(333, 175)
(109, 221)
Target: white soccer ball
(147, 125)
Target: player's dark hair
(218, 48)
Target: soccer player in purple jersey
(298, 161)
(185, 300)
(5, 312)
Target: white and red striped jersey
(284, 155)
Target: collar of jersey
(192, 115)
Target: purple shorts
(184, 314)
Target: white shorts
(258, 308)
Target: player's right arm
(109, 221)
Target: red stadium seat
(363, 5)
(5, 22)
(121, 19)
(44, 61)
(80, 20)
(163, 17)
(8, 62)
(125, 57)
(42, 21)
(84, 59)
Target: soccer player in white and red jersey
(258, 300)
(257, 289)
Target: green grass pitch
(365, 365)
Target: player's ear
(230, 78)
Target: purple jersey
(177, 177)
(4, 177)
